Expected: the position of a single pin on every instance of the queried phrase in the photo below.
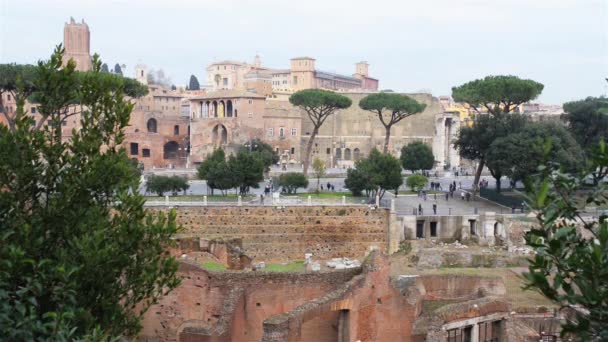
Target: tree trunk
(387, 138)
(482, 163)
(498, 186)
(309, 150)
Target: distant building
(77, 44)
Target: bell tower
(77, 44)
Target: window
(250, 101)
(328, 151)
(225, 81)
(293, 150)
(8, 97)
(295, 80)
(271, 132)
(64, 123)
(294, 132)
(282, 132)
(152, 125)
(472, 226)
(145, 152)
(433, 229)
(250, 114)
(134, 149)
(176, 130)
(33, 110)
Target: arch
(347, 154)
(356, 154)
(219, 135)
(171, 150)
(207, 112)
(214, 109)
(228, 108)
(152, 125)
(221, 110)
(338, 153)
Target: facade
(77, 44)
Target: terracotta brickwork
(281, 234)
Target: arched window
(356, 154)
(152, 125)
(282, 132)
(171, 150)
(338, 153)
(347, 154)
(229, 109)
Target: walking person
(462, 195)
(434, 209)
(447, 196)
(419, 209)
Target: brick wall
(272, 234)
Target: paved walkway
(405, 205)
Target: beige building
(77, 44)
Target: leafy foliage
(319, 167)
(80, 257)
(416, 182)
(194, 85)
(247, 170)
(417, 156)
(117, 69)
(499, 95)
(519, 154)
(391, 108)
(264, 151)
(162, 184)
(474, 142)
(291, 181)
(374, 175)
(570, 265)
(104, 68)
(319, 105)
(588, 121)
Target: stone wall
(287, 233)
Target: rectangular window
(64, 123)
(145, 152)
(433, 229)
(250, 114)
(225, 81)
(293, 150)
(8, 97)
(472, 226)
(271, 132)
(420, 228)
(250, 101)
(33, 110)
(294, 132)
(176, 130)
(134, 149)
(328, 151)
(295, 80)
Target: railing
(258, 201)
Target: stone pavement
(405, 204)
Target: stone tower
(257, 61)
(77, 44)
(362, 69)
(302, 73)
(140, 74)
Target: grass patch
(296, 266)
(213, 266)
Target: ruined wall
(231, 305)
(287, 233)
(453, 287)
(367, 308)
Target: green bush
(416, 182)
(291, 181)
(162, 184)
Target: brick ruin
(365, 303)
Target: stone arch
(221, 109)
(207, 112)
(214, 108)
(219, 135)
(228, 108)
(347, 154)
(356, 154)
(171, 150)
(152, 125)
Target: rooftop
(228, 93)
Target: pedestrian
(447, 195)
(328, 185)
(462, 195)
(512, 209)
(424, 194)
(468, 196)
(435, 194)
(419, 209)
(262, 199)
(460, 185)
(434, 209)
(322, 187)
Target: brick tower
(77, 44)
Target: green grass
(213, 266)
(296, 266)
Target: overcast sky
(428, 45)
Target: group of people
(483, 184)
(435, 186)
(330, 187)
